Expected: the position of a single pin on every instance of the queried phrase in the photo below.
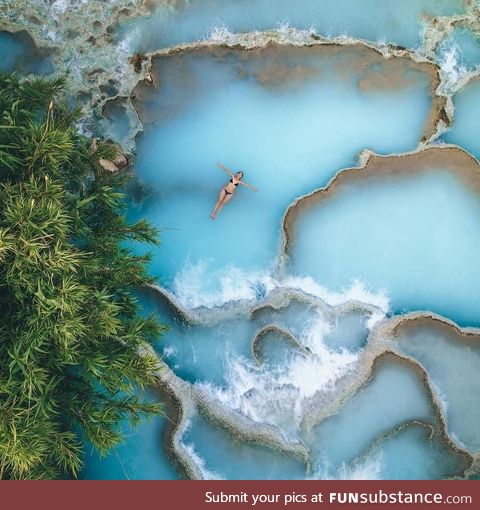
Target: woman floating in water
(226, 193)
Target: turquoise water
(17, 53)
(201, 353)
(115, 123)
(467, 111)
(216, 355)
(374, 20)
(289, 117)
(394, 395)
(276, 349)
(452, 363)
(422, 252)
(349, 332)
(341, 330)
(293, 317)
(292, 118)
(220, 455)
(143, 455)
(412, 455)
(466, 45)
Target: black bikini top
(234, 183)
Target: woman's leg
(221, 196)
(226, 199)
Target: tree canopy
(73, 342)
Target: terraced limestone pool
(394, 397)
(290, 117)
(184, 21)
(382, 230)
(274, 341)
(462, 45)
(451, 359)
(411, 454)
(467, 108)
(18, 53)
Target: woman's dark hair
(240, 172)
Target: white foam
(283, 33)
(197, 459)
(58, 7)
(169, 351)
(278, 394)
(53, 36)
(196, 285)
(290, 34)
(357, 291)
(374, 318)
(221, 34)
(368, 469)
(200, 463)
(440, 397)
(452, 73)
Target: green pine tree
(73, 344)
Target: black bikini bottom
(227, 192)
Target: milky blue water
(293, 317)
(467, 111)
(385, 232)
(142, 456)
(200, 353)
(466, 45)
(276, 348)
(343, 330)
(216, 354)
(289, 118)
(115, 123)
(413, 455)
(221, 455)
(17, 53)
(349, 332)
(453, 365)
(394, 395)
(384, 20)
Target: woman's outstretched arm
(226, 170)
(249, 186)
